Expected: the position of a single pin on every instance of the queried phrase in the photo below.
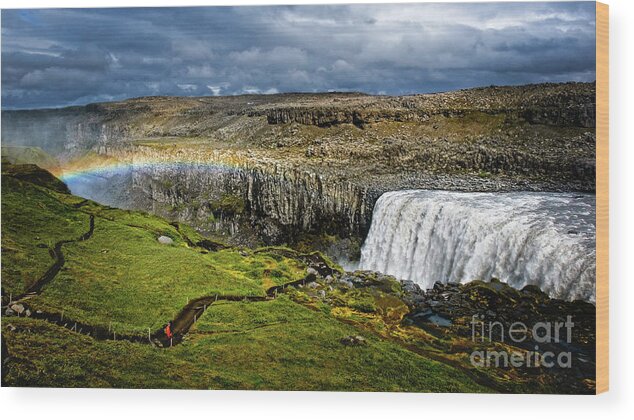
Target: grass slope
(32, 221)
(286, 346)
(123, 277)
(274, 345)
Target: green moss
(166, 184)
(228, 204)
(330, 262)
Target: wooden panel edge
(602, 197)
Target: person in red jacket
(169, 333)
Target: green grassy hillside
(114, 275)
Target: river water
(544, 239)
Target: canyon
(306, 170)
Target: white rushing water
(544, 239)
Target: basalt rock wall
(274, 204)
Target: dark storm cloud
(56, 57)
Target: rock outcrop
(553, 341)
(253, 203)
(549, 104)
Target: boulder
(410, 287)
(345, 282)
(312, 272)
(165, 240)
(534, 291)
(17, 308)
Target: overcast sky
(59, 57)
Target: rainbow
(104, 166)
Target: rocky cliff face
(249, 202)
(65, 132)
(564, 105)
(554, 114)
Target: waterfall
(543, 239)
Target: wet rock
(534, 291)
(410, 287)
(438, 286)
(423, 313)
(495, 301)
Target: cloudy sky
(59, 57)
